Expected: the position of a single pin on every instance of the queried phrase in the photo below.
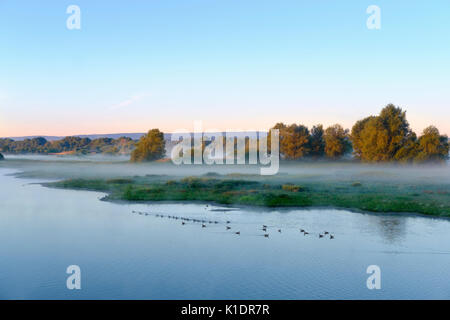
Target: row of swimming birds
(204, 223)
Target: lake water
(124, 255)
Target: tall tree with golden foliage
(317, 141)
(388, 137)
(357, 142)
(336, 141)
(381, 138)
(294, 141)
(432, 146)
(150, 147)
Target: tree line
(77, 145)
(383, 138)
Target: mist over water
(103, 166)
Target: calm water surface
(126, 255)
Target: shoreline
(207, 197)
(228, 207)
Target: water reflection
(392, 229)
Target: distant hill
(134, 136)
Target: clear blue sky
(233, 64)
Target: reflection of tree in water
(392, 229)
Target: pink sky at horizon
(68, 128)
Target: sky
(234, 65)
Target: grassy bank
(430, 199)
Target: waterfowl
(320, 235)
(305, 233)
(279, 230)
(203, 225)
(302, 230)
(183, 223)
(264, 229)
(326, 232)
(238, 232)
(266, 235)
(331, 236)
(264, 226)
(228, 221)
(228, 228)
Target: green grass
(255, 191)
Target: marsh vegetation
(369, 193)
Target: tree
(2, 157)
(357, 142)
(5, 144)
(336, 141)
(381, 138)
(295, 141)
(281, 130)
(68, 144)
(150, 147)
(432, 147)
(408, 152)
(317, 141)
